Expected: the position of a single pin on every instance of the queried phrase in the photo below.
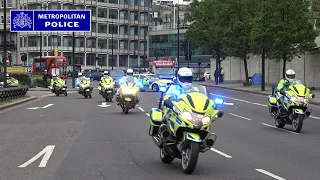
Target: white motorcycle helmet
(106, 73)
(184, 77)
(129, 72)
(290, 75)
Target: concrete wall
(306, 68)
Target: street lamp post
(178, 26)
(4, 59)
(112, 49)
(73, 55)
(199, 63)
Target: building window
(142, 17)
(131, 45)
(91, 43)
(121, 45)
(93, 11)
(132, 16)
(113, 29)
(113, 13)
(122, 15)
(121, 30)
(54, 40)
(67, 6)
(113, 1)
(124, 2)
(2, 19)
(112, 60)
(21, 41)
(8, 19)
(142, 31)
(32, 41)
(142, 45)
(123, 60)
(93, 27)
(102, 12)
(132, 2)
(132, 31)
(67, 41)
(103, 28)
(79, 42)
(142, 2)
(113, 44)
(9, 3)
(91, 58)
(102, 43)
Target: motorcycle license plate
(88, 90)
(128, 99)
(109, 91)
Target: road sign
(45, 20)
(29, 70)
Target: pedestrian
(216, 76)
(221, 75)
(45, 78)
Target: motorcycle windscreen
(299, 89)
(197, 102)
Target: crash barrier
(13, 93)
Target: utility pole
(263, 83)
(112, 49)
(178, 25)
(4, 59)
(73, 55)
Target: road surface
(71, 137)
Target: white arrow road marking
(44, 107)
(47, 151)
(104, 104)
(221, 153)
(270, 174)
(33, 108)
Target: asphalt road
(81, 140)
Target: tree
(237, 24)
(289, 26)
(204, 31)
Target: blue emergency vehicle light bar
(218, 101)
(176, 91)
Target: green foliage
(24, 79)
(37, 82)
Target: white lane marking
(229, 104)
(33, 108)
(313, 117)
(270, 174)
(44, 107)
(47, 95)
(239, 116)
(147, 114)
(141, 109)
(104, 104)
(47, 151)
(221, 153)
(278, 128)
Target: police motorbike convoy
(289, 102)
(83, 86)
(58, 86)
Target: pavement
(72, 137)
(255, 89)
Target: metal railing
(13, 93)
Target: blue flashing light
(218, 101)
(78, 82)
(176, 91)
(139, 84)
(162, 89)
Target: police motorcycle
(84, 88)
(181, 129)
(107, 91)
(127, 98)
(295, 105)
(59, 87)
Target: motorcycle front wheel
(126, 107)
(297, 123)
(165, 157)
(189, 158)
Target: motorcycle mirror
(286, 85)
(313, 95)
(274, 86)
(168, 104)
(220, 114)
(312, 88)
(282, 92)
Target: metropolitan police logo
(22, 20)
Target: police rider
(129, 75)
(106, 79)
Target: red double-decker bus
(53, 64)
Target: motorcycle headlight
(129, 91)
(196, 119)
(206, 120)
(306, 100)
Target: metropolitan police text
(63, 17)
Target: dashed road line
(278, 128)
(141, 109)
(270, 174)
(221, 153)
(147, 114)
(240, 116)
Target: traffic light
(23, 57)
